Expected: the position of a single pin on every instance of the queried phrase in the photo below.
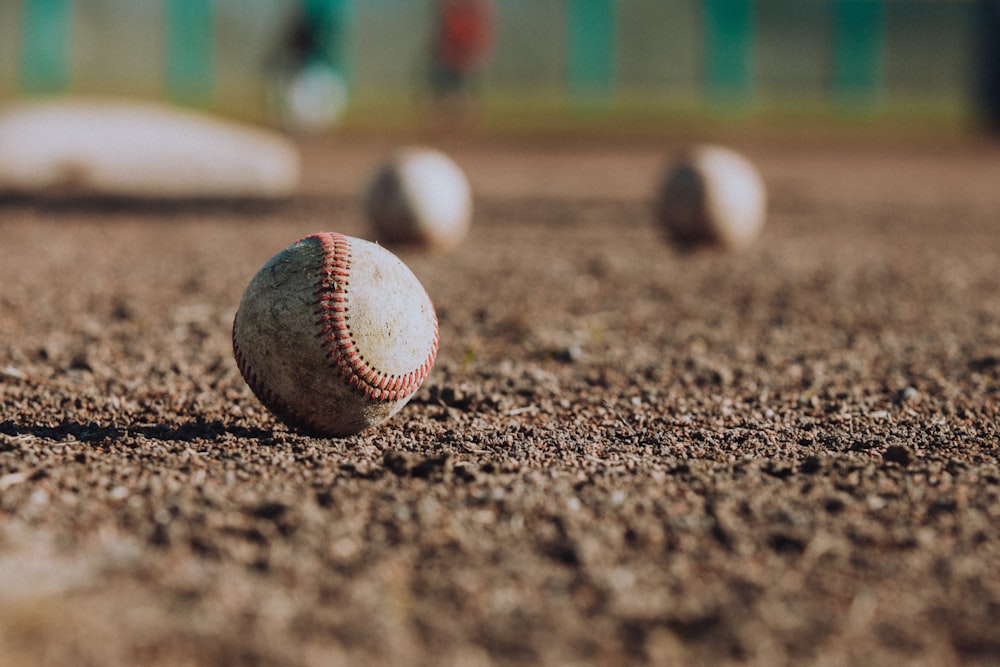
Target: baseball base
(141, 150)
(334, 335)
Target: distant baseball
(314, 99)
(419, 196)
(712, 195)
(334, 335)
(107, 147)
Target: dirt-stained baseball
(712, 195)
(419, 196)
(335, 334)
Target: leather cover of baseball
(335, 334)
(419, 196)
(713, 195)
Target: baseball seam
(333, 320)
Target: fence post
(987, 64)
(590, 71)
(189, 43)
(729, 48)
(45, 45)
(858, 40)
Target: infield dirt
(624, 454)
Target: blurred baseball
(314, 99)
(334, 334)
(419, 196)
(712, 195)
(133, 149)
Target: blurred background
(618, 66)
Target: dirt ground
(624, 454)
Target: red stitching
(334, 328)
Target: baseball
(106, 147)
(712, 195)
(419, 196)
(334, 335)
(313, 99)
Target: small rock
(568, 354)
(11, 372)
(897, 454)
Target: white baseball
(713, 195)
(419, 196)
(132, 149)
(313, 99)
(335, 334)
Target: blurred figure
(462, 49)
(988, 64)
(310, 93)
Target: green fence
(838, 56)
